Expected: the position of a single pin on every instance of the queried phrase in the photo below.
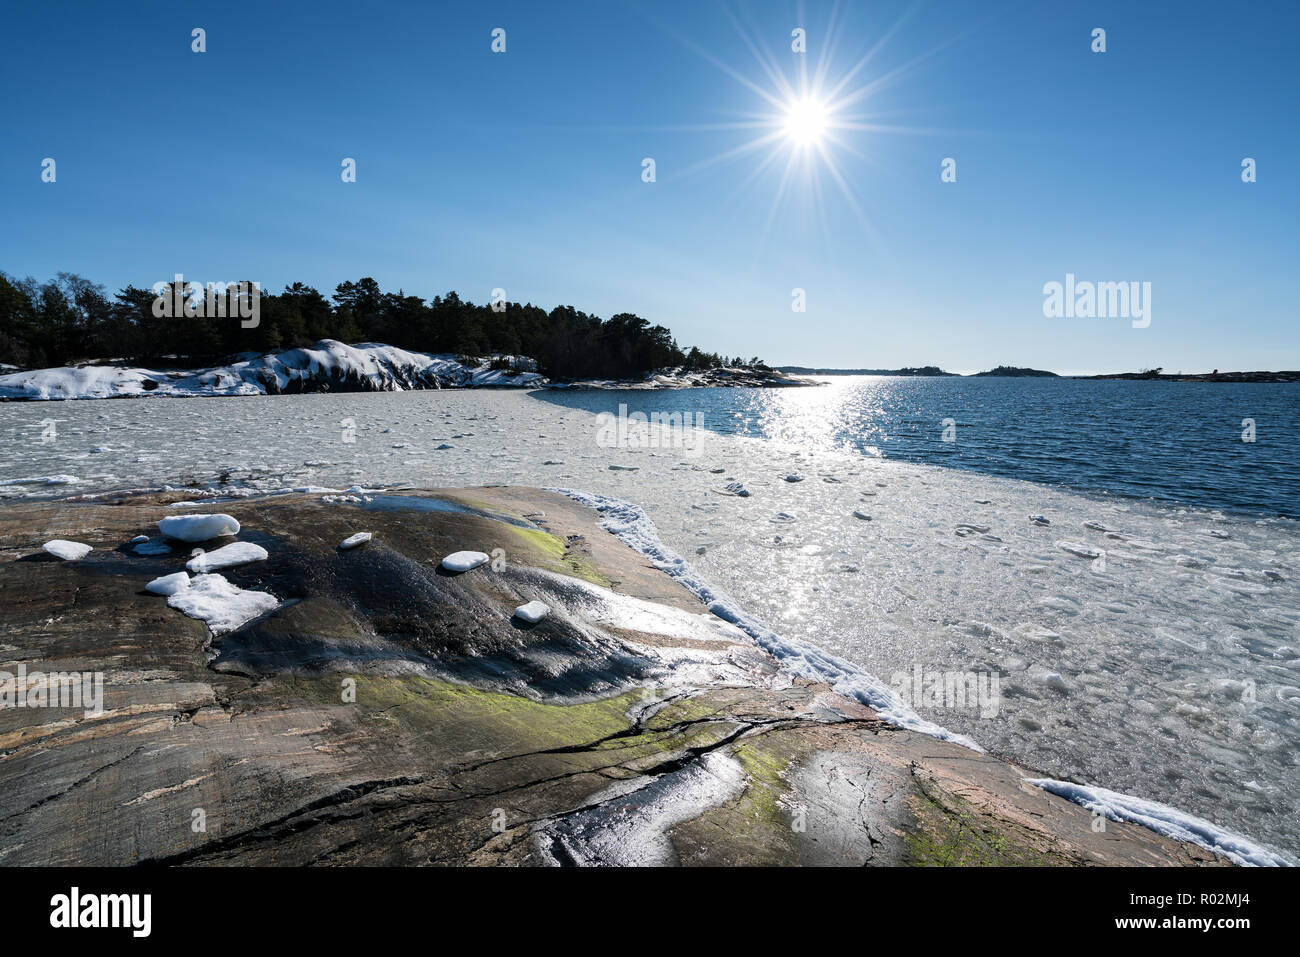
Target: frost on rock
(148, 547)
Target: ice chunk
(228, 556)
(1054, 681)
(1077, 548)
(198, 528)
(169, 584)
(464, 561)
(533, 612)
(1040, 519)
(223, 606)
(68, 551)
(352, 541)
(44, 480)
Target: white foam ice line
(1165, 820)
(630, 524)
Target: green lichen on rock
(390, 713)
(949, 832)
(544, 550)
(431, 706)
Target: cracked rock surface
(387, 712)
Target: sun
(805, 121)
(818, 125)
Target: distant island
(911, 370)
(1019, 372)
(1215, 376)
(1016, 372)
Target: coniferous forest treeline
(70, 319)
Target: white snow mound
(533, 612)
(228, 556)
(198, 528)
(464, 561)
(68, 551)
(169, 584)
(223, 606)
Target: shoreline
(857, 614)
(329, 366)
(762, 762)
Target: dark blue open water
(1175, 441)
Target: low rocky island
(379, 705)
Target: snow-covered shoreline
(328, 366)
(331, 366)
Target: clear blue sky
(523, 170)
